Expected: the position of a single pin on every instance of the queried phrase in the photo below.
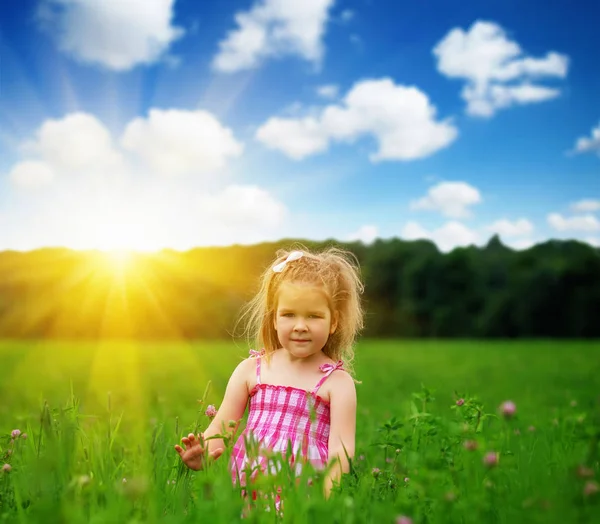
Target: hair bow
(294, 255)
(329, 368)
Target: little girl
(306, 317)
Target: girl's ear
(334, 322)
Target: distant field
(115, 409)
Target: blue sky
(173, 123)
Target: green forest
(551, 290)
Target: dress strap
(257, 354)
(328, 369)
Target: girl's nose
(300, 325)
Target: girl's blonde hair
(334, 270)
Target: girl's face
(303, 320)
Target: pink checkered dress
(282, 414)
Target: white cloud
(78, 142)
(125, 206)
(506, 228)
(585, 206)
(115, 34)
(245, 207)
(274, 28)
(169, 141)
(451, 199)
(592, 241)
(497, 72)
(401, 119)
(587, 145)
(175, 141)
(297, 138)
(586, 223)
(365, 234)
(31, 174)
(452, 234)
(328, 91)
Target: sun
(120, 259)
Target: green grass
(96, 414)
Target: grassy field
(101, 420)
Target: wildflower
(124, 481)
(211, 411)
(508, 408)
(376, 472)
(406, 479)
(6, 468)
(531, 428)
(402, 519)
(470, 445)
(389, 460)
(450, 496)
(491, 459)
(590, 488)
(15, 433)
(398, 451)
(460, 401)
(24, 436)
(361, 457)
(517, 431)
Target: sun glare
(119, 258)
(117, 225)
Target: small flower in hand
(211, 411)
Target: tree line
(411, 290)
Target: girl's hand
(193, 454)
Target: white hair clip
(294, 255)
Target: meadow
(87, 431)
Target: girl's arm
(233, 406)
(232, 409)
(342, 433)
